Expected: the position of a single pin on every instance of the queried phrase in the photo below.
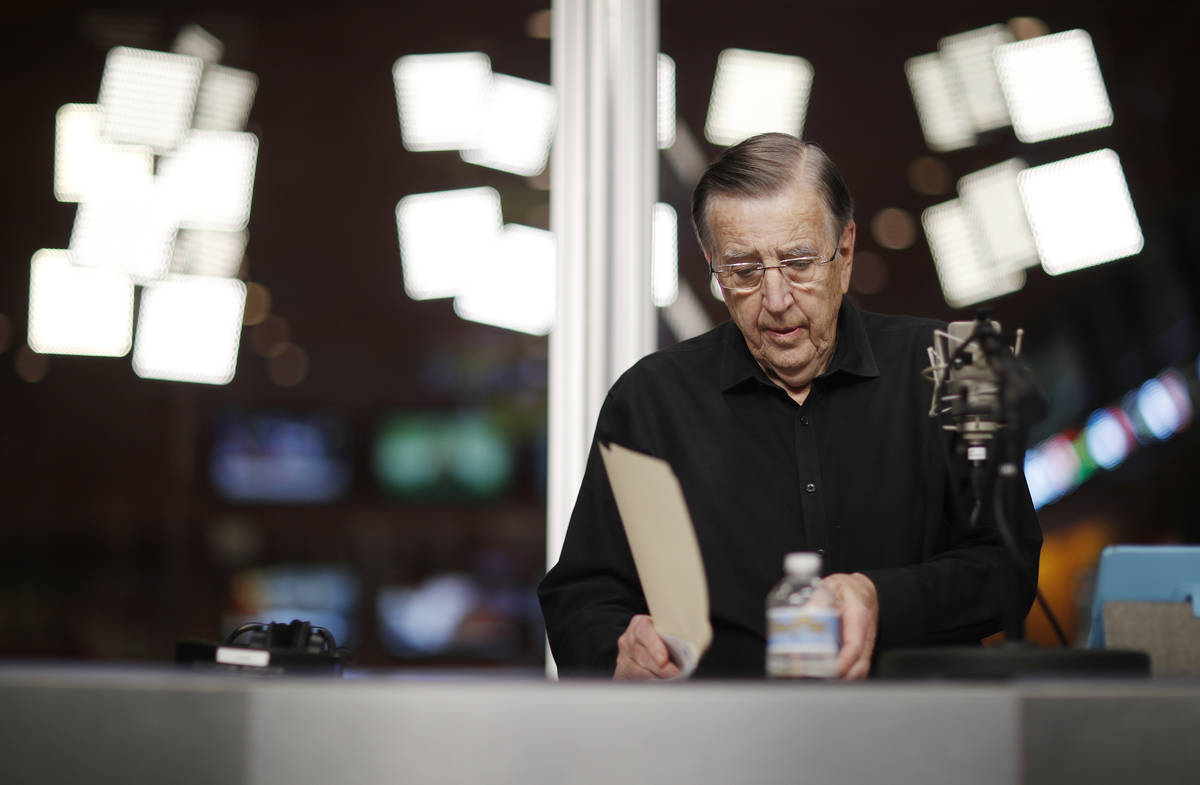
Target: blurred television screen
(272, 457)
(442, 456)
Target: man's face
(790, 330)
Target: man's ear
(846, 249)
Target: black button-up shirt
(859, 473)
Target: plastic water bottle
(803, 626)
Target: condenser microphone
(979, 386)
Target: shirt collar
(852, 353)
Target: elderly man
(800, 425)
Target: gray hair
(764, 165)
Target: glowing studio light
(208, 252)
(76, 139)
(441, 99)
(754, 92)
(1108, 439)
(148, 97)
(1037, 477)
(518, 127)
(664, 272)
(77, 310)
(1080, 212)
(965, 271)
(666, 101)
(209, 180)
(1053, 86)
(188, 329)
(225, 98)
(440, 233)
(194, 40)
(968, 57)
(1163, 411)
(131, 231)
(1052, 470)
(993, 202)
(1177, 388)
(512, 287)
(89, 167)
(940, 109)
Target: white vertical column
(604, 181)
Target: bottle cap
(802, 563)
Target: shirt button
(811, 487)
(820, 551)
(804, 419)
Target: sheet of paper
(665, 551)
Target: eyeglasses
(748, 276)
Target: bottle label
(803, 630)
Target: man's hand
(859, 608)
(642, 654)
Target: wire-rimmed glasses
(748, 276)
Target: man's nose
(776, 291)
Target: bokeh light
(517, 128)
(1053, 87)
(78, 310)
(894, 227)
(258, 304)
(1109, 440)
(1080, 212)
(869, 274)
(754, 92)
(930, 176)
(471, 216)
(148, 97)
(441, 99)
(189, 328)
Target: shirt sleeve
(969, 579)
(593, 591)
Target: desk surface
(152, 725)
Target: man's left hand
(858, 605)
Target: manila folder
(663, 541)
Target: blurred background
(359, 448)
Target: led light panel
(440, 233)
(87, 166)
(132, 231)
(208, 252)
(209, 181)
(940, 109)
(1052, 470)
(77, 310)
(189, 328)
(225, 98)
(1164, 406)
(1108, 440)
(148, 97)
(665, 262)
(755, 92)
(518, 127)
(666, 101)
(76, 139)
(513, 287)
(968, 58)
(1080, 211)
(442, 99)
(967, 275)
(1053, 86)
(194, 40)
(993, 202)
